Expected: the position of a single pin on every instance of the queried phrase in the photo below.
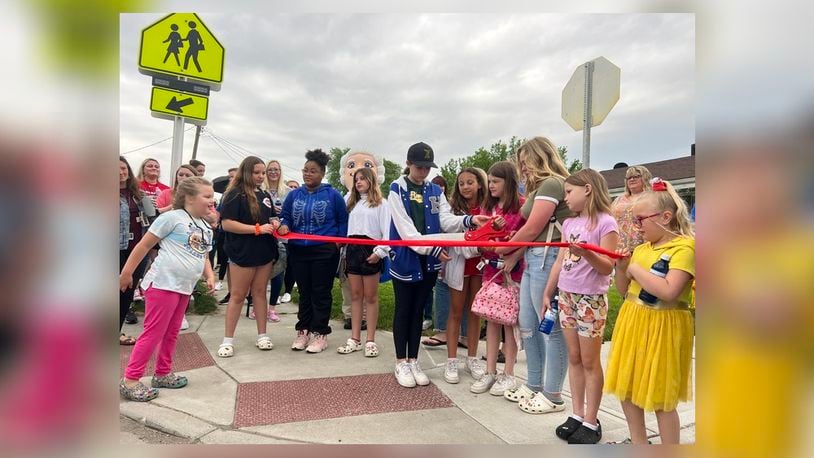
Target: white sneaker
(218, 286)
(404, 375)
(184, 324)
(451, 371)
(419, 376)
(482, 384)
(286, 298)
(426, 325)
(475, 367)
(503, 383)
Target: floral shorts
(587, 313)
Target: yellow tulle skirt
(650, 362)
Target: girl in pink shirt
(583, 278)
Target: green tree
(332, 169)
(574, 166)
(391, 171)
(482, 158)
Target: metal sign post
(587, 120)
(177, 146)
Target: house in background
(680, 172)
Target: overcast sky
(381, 82)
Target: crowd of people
(532, 198)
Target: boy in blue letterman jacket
(418, 207)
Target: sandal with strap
(138, 393)
(349, 347)
(371, 350)
(170, 380)
(538, 404)
(264, 343)
(126, 340)
(226, 350)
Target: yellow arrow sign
(180, 44)
(167, 103)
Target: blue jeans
(546, 356)
(442, 308)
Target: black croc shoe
(565, 430)
(586, 435)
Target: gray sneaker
(483, 384)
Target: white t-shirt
(185, 242)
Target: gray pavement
(203, 412)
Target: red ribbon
(443, 243)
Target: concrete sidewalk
(283, 396)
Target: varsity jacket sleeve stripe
(404, 225)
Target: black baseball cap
(421, 154)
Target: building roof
(672, 170)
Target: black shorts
(356, 259)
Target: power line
(239, 149)
(153, 144)
(217, 143)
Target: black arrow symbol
(176, 105)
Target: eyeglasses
(633, 177)
(639, 219)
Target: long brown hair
(508, 172)
(374, 194)
(243, 183)
(598, 201)
(459, 205)
(132, 183)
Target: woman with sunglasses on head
(637, 180)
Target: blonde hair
(638, 170)
(669, 200)
(282, 187)
(542, 161)
(374, 194)
(188, 187)
(140, 175)
(598, 200)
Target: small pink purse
(498, 303)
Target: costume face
(357, 161)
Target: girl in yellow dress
(650, 361)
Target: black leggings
(410, 300)
(126, 297)
(223, 259)
(289, 275)
(315, 269)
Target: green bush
(202, 302)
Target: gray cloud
(458, 81)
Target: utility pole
(195, 145)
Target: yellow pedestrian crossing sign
(180, 44)
(168, 103)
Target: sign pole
(177, 146)
(586, 117)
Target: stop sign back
(605, 93)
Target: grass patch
(387, 304)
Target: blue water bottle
(659, 268)
(550, 317)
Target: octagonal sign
(605, 93)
